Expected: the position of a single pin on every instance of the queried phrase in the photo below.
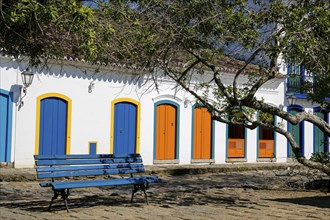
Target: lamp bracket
(20, 102)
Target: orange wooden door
(236, 148)
(202, 133)
(165, 132)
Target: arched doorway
(321, 140)
(125, 127)
(166, 131)
(53, 124)
(297, 131)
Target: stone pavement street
(263, 194)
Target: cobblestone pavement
(234, 195)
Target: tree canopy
(186, 39)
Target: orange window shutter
(161, 132)
(236, 148)
(197, 133)
(158, 133)
(171, 132)
(266, 148)
(207, 135)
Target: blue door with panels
(5, 125)
(53, 126)
(125, 115)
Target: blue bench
(65, 172)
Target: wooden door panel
(125, 128)
(266, 149)
(202, 134)
(236, 148)
(53, 126)
(165, 132)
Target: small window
(236, 131)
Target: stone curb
(8, 174)
(174, 170)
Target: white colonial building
(78, 108)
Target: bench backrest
(57, 166)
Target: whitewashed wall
(91, 112)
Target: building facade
(78, 108)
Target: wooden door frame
(326, 114)
(275, 122)
(302, 124)
(9, 124)
(68, 119)
(177, 141)
(192, 132)
(227, 143)
(112, 122)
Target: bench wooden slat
(53, 162)
(89, 173)
(111, 182)
(90, 167)
(84, 156)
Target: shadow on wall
(97, 73)
(106, 73)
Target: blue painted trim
(92, 147)
(245, 142)
(177, 106)
(302, 138)
(258, 141)
(289, 69)
(227, 134)
(300, 96)
(326, 118)
(192, 133)
(298, 107)
(275, 137)
(9, 123)
(302, 72)
(303, 78)
(154, 136)
(213, 140)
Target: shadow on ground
(317, 201)
(170, 200)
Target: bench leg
(64, 195)
(145, 193)
(143, 187)
(56, 193)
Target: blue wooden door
(124, 128)
(5, 125)
(53, 126)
